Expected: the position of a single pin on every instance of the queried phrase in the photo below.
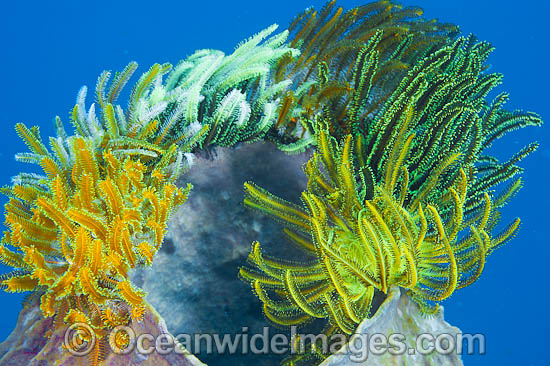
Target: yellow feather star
(75, 242)
(361, 247)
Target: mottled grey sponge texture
(193, 282)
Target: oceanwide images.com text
(359, 347)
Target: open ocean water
(49, 49)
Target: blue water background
(49, 49)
